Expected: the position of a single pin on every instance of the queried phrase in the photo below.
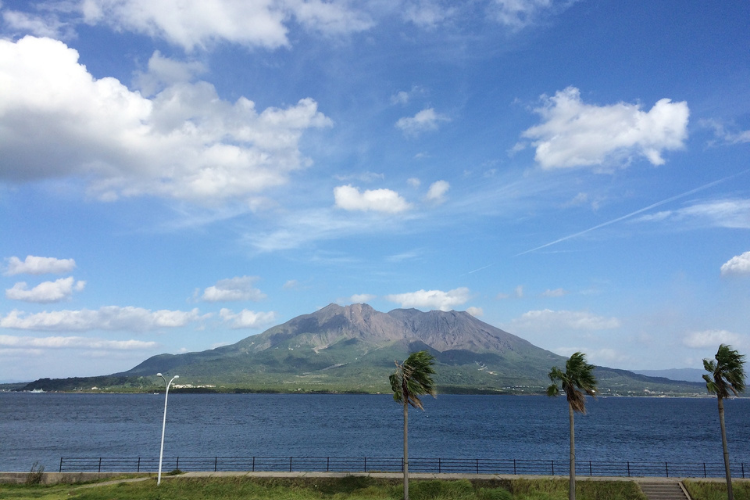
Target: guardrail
(381, 464)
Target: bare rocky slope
(353, 348)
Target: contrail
(631, 214)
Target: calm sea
(44, 427)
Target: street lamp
(164, 423)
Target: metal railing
(382, 464)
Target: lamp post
(164, 422)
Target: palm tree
(577, 379)
(726, 374)
(411, 380)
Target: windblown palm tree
(412, 379)
(577, 381)
(726, 374)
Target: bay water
(44, 427)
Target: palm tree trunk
(572, 491)
(730, 494)
(406, 450)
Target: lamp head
(176, 376)
(159, 375)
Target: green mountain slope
(353, 348)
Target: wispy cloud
(10, 341)
(425, 121)
(114, 318)
(547, 320)
(714, 338)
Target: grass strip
(347, 488)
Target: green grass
(716, 490)
(348, 488)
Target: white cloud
(547, 320)
(238, 288)
(518, 292)
(424, 121)
(477, 312)
(713, 338)
(361, 298)
(432, 299)
(377, 200)
(40, 25)
(291, 285)
(133, 319)
(732, 214)
(14, 342)
(427, 13)
(196, 23)
(557, 292)
(163, 72)
(403, 97)
(739, 264)
(575, 134)
(726, 136)
(413, 182)
(520, 13)
(57, 120)
(436, 193)
(247, 319)
(39, 265)
(46, 292)
(363, 177)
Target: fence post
(628, 469)
(440, 466)
(365, 464)
(290, 464)
(590, 473)
(666, 468)
(253, 464)
(553, 467)
(216, 464)
(100, 464)
(61, 459)
(328, 464)
(138, 468)
(177, 465)
(704, 469)
(477, 466)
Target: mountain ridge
(353, 348)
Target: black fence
(380, 464)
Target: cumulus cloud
(547, 320)
(436, 193)
(739, 264)
(13, 342)
(196, 23)
(376, 200)
(239, 288)
(49, 291)
(432, 299)
(39, 265)
(247, 318)
(424, 121)
(713, 339)
(728, 213)
(575, 134)
(57, 120)
(111, 318)
(477, 312)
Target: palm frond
(577, 380)
(413, 378)
(727, 372)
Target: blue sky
(179, 175)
